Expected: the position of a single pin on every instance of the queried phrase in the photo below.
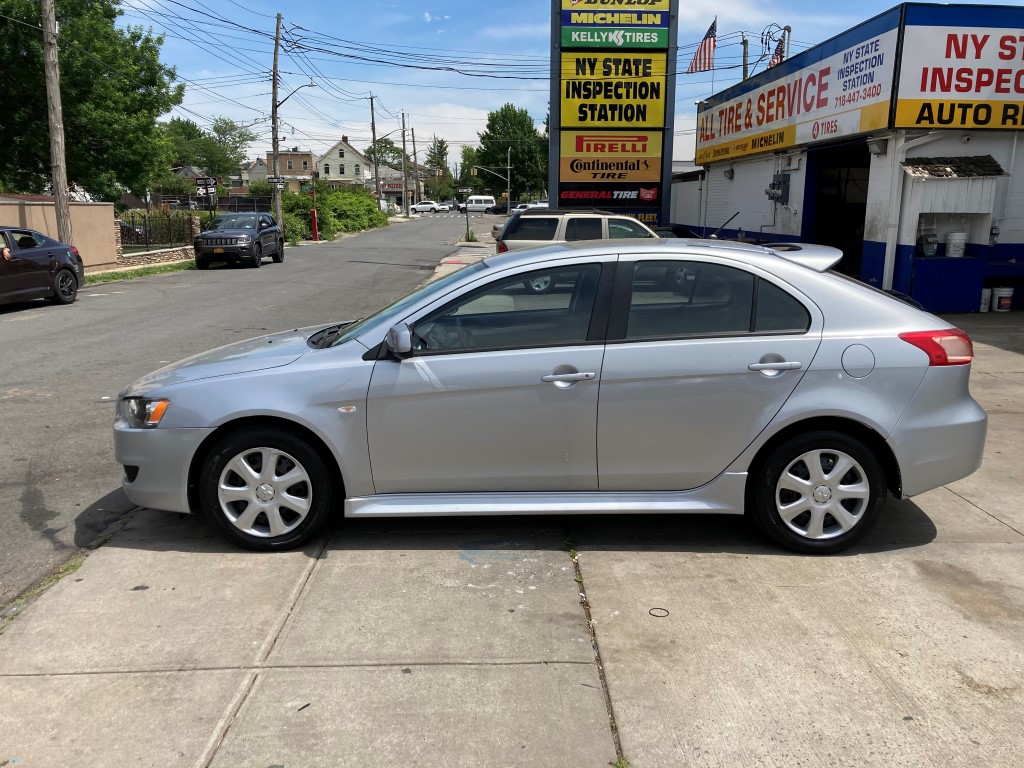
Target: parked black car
(38, 267)
(242, 237)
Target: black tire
(539, 285)
(257, 255)
(279, 253)
(202, 264)
(65, 287)
(242, 509)
(816, 510)
(433, 210)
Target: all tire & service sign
(613, 94)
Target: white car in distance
(428, 206)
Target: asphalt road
(62, 368)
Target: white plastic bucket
(986, 299)
(1002, 298)
(955, 243)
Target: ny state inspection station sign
(611, 61)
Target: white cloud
(426, 17)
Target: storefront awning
(963, 167)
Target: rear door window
(583, 228)
(531, 228)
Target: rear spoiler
(817, 257)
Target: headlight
(140, 413)
(244, 238)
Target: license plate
(218, 250)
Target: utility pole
(405, 172)
(273, 124)
(55, 116)
(373, 133)
(745, 47)
(415, 167)
(508, 180)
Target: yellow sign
(748, 145)
(635, 6)
(613, 90)
(609, 156)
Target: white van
(477, 204)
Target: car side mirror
(399, 341)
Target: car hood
(241, 357)
(227, 232)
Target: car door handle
(784, 365)
(556, 377)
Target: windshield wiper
(324, 337)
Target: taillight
(947, 347)
(74, 250)
(502, 248)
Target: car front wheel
(266, 488)
(65, 287)
(257, 255)
(819, 492)
(279, 253)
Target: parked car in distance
(39, 267)
(427, 206)
(503, 207)
(477, 204)
(544, 226)
(244, 238)
(759, 383)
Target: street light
(273, 130)
(507, 178)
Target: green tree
(260, 188)
(218, 152)
(437, 157)
(511, 127)
(113, 89)
(387, 153)
(466, 176)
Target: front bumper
(156, 463)
(240, 252)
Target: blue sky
(403, 53)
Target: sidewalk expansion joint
(592, 628)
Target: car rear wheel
(266, 488)
(65, 287)
(819, 492)
(257, 255)
(279, 253)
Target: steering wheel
(434, 338)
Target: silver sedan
(662, 376)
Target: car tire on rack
(539, 284)
(65, 287)
(266, 488)
(818, 493)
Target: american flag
(780, 50)
(704, 58)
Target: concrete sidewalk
(468, 642)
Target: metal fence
(146, 231)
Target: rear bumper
(940, 438)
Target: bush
(296, 228)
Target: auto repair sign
(962, 67)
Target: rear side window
(25, 239)
(778, 311)
(578, 228)
(625, 228)
(531, 228)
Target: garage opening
(836, 199)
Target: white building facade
(895, 141)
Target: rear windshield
(531, 228)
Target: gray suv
(534, 227)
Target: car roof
(815, 257)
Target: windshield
(397, 308)
(234, 221)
